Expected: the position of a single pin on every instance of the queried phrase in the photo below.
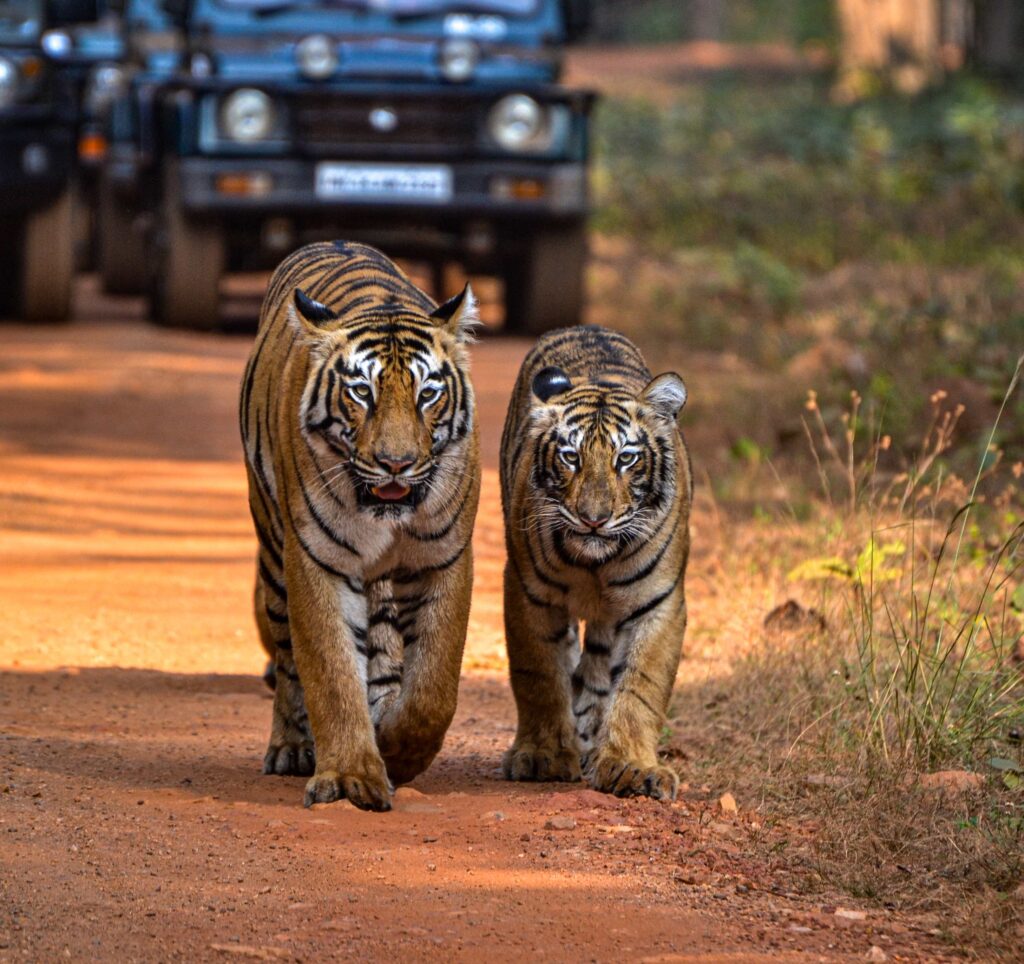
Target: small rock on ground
(561, 823)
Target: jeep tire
(190, 257)
(47, 261)
(120, 251)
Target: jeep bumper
(495, 191)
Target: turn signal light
(92, 147)
(244, 184)
(518, 188)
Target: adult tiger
(596, 490)
(358, 423)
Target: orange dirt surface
(135, 824)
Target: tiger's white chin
(592, 548)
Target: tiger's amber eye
(627, 459)
(361, 391)
(570, 458)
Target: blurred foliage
(878, 245)
(744, 21)
(938, 179)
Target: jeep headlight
(106, 82)
(8, 82)
(317, 57)
(518, 123)
(458, 59)
(247, 115)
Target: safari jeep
(128, 182)
(39, 114)
(433, 128)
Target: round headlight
(56, 43)
(519, 123)
(8, 81)
(105, 84)
(317, 57)
(458, 59)
(247, 115)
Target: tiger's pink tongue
(391, 492)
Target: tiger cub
(596, 490)
(360, 436)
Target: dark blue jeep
(152, 54)
(433, 128)
(39, 116)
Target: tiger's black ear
(666, 394)
(459, 315)
(313, 311)
(549, 382)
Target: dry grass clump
(882, 710)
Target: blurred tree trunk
(896, 40)
(998, 42)
(707, 19)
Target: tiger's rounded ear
(459, 315)
(666, 394)
(307, 316)
(549, 382)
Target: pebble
(247, 950)
(727, 803)
(876, 954)
(845, 914)
(561, 823)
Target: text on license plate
(395, 182)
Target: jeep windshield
(401, 9)
(20, 20)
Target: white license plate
(384, 182)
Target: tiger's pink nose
(594, 523)
(395, 463)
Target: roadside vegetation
(856, 675)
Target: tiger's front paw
(291, 758)
(528, 760)
(611, 772)
(365, 787)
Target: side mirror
(64, 13)
(577, 18)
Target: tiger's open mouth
(393, 491)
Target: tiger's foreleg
(433, 624)
(384, 649)
(624, 759)
(592, 685)
(266, 633)
(542, 652)
(326, 617)
(291, 744)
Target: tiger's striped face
(386, 398)
(604, 459)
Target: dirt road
(134, 822)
